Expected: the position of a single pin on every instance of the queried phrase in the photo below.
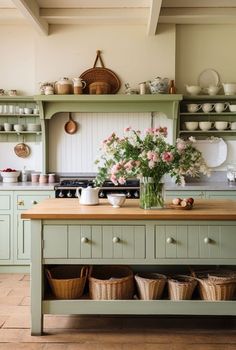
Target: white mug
(205, 125)
(220, 107)
(193, 107)
(191, 126)
(8, 126)
(221, 125)
(233, 126)
(207, 107)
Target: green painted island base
(143, 243)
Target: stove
(67, 187)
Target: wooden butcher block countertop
(71, 209)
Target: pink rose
(167, 157)
(127, 129)
(129, 165)
(181, 145)
(122, 180)
(114, 179)
(151, 164)
(149, 155)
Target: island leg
(36, 278)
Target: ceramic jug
(88, 195)
(79, 85)
(159, 85)
(63, 86)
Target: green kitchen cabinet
(6, 228)
(22, 235)
(170, 194)
(221, 195)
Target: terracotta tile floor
(105, 333)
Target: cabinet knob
(34, 202)
(170, 240)
(207, 240)
(115, 239)
(84, 240)
(20, 202)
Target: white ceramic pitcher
(88, 195)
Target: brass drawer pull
(170, 240)
(21, 202)
(84, 240)
(115, 239)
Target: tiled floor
(105, 333)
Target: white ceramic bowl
(19, 127)
(33, 127)
(116, 199)
(28, 110)
(10, 176)
(191, 126)
(229, 88)
(193, 89)
(232, 108)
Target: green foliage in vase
(148, 155)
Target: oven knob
(61, 195)
(128, 195)
(69, 194)
(101, 194)
(136, 194)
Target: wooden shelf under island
(64, 232)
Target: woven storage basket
(111, 283)
(217, 285)
(150, 285)
(181, 287)
(67, 282)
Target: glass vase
(151, 193)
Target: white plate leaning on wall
(214, 151)
(208, 77)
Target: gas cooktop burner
(67, 187)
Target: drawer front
(5, 202)
(221, 195)
(94, 241)
(195, 241)
(27, 201)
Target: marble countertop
(26, 186)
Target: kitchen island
(63, 232)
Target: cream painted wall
(28, 58)
(206, 46)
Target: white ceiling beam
(198, 15)
(155, 9)
(198, 3)
(30, 10)
(95, 16)
(93, 3)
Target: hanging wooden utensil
(22, 150)
(71, 126)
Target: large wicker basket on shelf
(111, 282)
(150, 285)
(181, 287)
(68, 281)
(216, 285)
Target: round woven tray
(100, 74)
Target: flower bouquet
(148, 157)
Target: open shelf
(139, 307)
(21, 132)
(18, 115)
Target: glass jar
(151, 193)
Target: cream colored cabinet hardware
(170, 240)
(115, 239)
(207, 240)
(34, 202)
(84, 240)
(20, 202)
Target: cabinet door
(195, 241)
(107, 242)
(55, 241)
(5, 237)
(23, 239)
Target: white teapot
(88, 195)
